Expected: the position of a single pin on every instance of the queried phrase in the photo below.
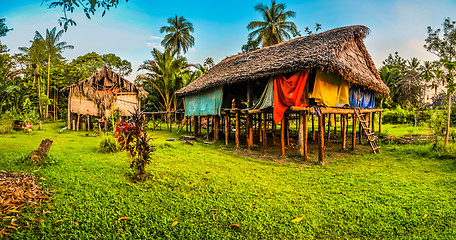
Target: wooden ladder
(370, 135)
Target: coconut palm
(390, 77)
(164, 74)
(53, 48)
(274, 28)
(178, 35)
(36, 56)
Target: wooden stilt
(77, 124)
(74, 124)
(305, 135)
(335, 124)
(313, 128)
(238, 130)
(282, 136)
(227, 128)
(216, 127)
(321, 140)
(373, 122)
(207, 127)
(360, 130)
(260, 127)
(69, 116)
(287, 128)
(248, 126)
(379, 122)
(329, 127)
(353, 132)
(273, 132)
(342, 119)
(302, 135)
(264, 133)
(88, 123)
(186, 125)
(200, 126)
(344, 132)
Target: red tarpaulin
(288, 92)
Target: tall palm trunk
(447, 135)
(39, 101)
(47, 91)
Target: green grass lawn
(405, 192)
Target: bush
(398, 116)
(108, 145)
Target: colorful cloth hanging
(288, 92)
(205, 103)
(267, 97)
(366, 97)
(330, 89)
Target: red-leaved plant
(132, 137)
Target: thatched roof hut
(340, 50)
(102, 93)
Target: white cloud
(152, 37)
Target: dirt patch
(333, 151)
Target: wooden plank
(282, 136)
(353, 132)
(265, 138)
(327, 110)
(321, 140)
(238, 130)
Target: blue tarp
(204, 103)
(366, 97)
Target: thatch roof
(90, 87)
(339, 50)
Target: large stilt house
(325, 74)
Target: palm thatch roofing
(102, 86)
(338, 50)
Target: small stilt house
(99, 95)
(328, 73)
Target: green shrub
(398, 116)
(6, 126)
(438, 123)
(108, 145)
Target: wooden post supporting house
(373, 122)
(227, 128)
(344, 131)
(380, 122)
(207, 127)
(321, 139)
(302, 135)
(313, 128)
(69, 113)
(335, 124)
(360, 129)
(238, 130)
(260, 126)
(282, 136)
(200, 126)
(216, 127)
(329, 127)
(264, 133)
(77, 124)
(353, 132)
(88, 123)
(195, 126)
(248, 127)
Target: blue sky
(132, 29)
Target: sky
(132, 29)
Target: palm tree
(53, 48)
(274, 28)
(165, 75)
(390, 78)
(178, 35)
(36, 57)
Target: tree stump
(41, 153)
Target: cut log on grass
(41, 153)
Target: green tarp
(204, 103)
(267, 97)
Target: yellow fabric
(330, 89)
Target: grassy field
(197, 192)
